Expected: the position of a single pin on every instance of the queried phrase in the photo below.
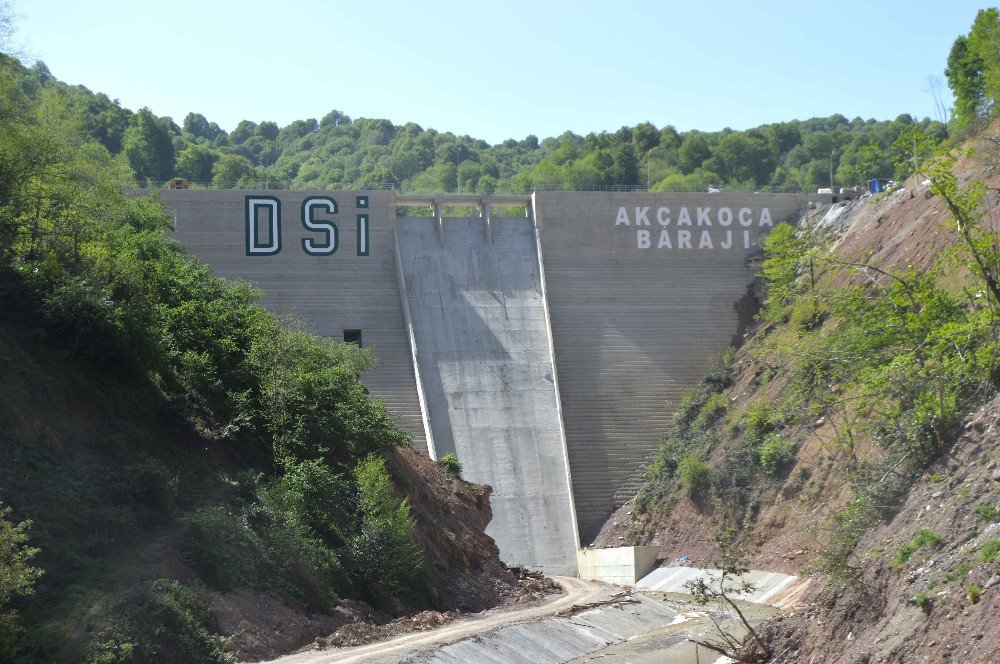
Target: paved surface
(578, 591)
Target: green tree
(148, 147)
(231, 169)
(973, 70)
(196, 162)
(17, 576)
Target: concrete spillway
(485, 361)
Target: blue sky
(503, 69)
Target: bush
(775, 452)
(711, 411)
(164, 622)
(922, 600)
(974, 592)
(221, 548)
(987, 512)
(452, 465)
(694, 475)
(383, 557)
(758, 422)
(312, 494)
(147, 484)
(17, 576)
(294, 561)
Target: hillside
(338, 152)
(112, 480)
(852, 436)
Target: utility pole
(831, 167)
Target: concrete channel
(592, 621)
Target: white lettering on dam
(716, 224)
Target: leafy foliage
(17, 576)
(923, 539)
(164, 622)
(451, 464)
(340, 151)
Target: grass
(987, 512)
(989, 551)
(923, 539)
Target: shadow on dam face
(485, 362)
(547, 352)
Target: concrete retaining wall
(623, 565)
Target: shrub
(147, 484)
(959, 572)
(758, 422)
(17, 576)
(989, 551)
(312, 494)
(694, 475)
(452, 465)
(221, 548)
(383, 557)
(806, 314)
(294, 560)
(974, 592)
(922, 600)
(164, 622)
(711, 411)
(775, 452)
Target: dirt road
(578, 591)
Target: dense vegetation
(336, 151)
(195, 378)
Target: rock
(993, 580)
(995, 475)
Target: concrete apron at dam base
(547, 351)
(654, 621)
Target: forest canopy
(337, 151)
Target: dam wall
(635, 325)
(547, 351)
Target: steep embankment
(110, 476)
(929, 587)
(835, 440)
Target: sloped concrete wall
(485, 363)
(329, 293)
(635, 323)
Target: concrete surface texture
(623, 565)
(781, 591)
(633, 325)
(551, 351)
(486, 369)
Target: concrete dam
(546, 347)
